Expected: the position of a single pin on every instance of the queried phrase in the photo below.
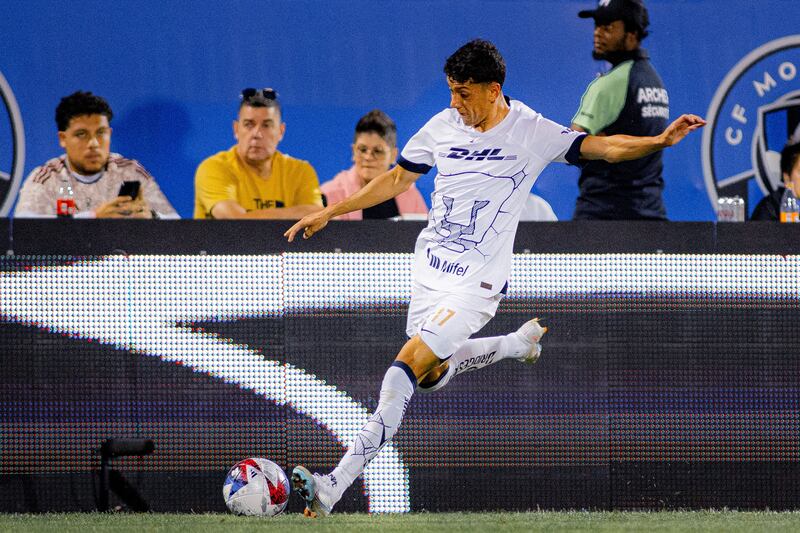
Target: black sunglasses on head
(268, 93)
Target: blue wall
(172, 72)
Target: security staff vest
(630, 99)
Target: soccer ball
(256, 487)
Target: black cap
(608, 11)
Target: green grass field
(723, 521)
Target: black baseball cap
(608, 11)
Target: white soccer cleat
(531, 332)
(316, 490)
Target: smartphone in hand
(130, 188)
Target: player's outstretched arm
(387, 185)
(616, 148)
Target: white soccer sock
(397, 388)
(479, 353)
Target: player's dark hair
(789, 156)
(378, 122)
(79, 104)
(477, 61)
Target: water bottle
(65, 202)
(790, 211)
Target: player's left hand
(680, 128)
(310, 224)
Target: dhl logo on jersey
(487, 154)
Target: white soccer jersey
(482, 183)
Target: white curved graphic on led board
(96, 300)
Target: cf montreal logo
(12, 148)
(755, 111)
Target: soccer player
(488, 150)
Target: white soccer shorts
(445, 320)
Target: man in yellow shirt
(253, 179)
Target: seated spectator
(537, 209)
(253, 179)
(769, 208)
(374, 152)
(90, 169)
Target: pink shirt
(347, 182)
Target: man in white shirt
(488, 150)
(90, 171)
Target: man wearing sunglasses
(253, 179)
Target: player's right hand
(310, 224)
